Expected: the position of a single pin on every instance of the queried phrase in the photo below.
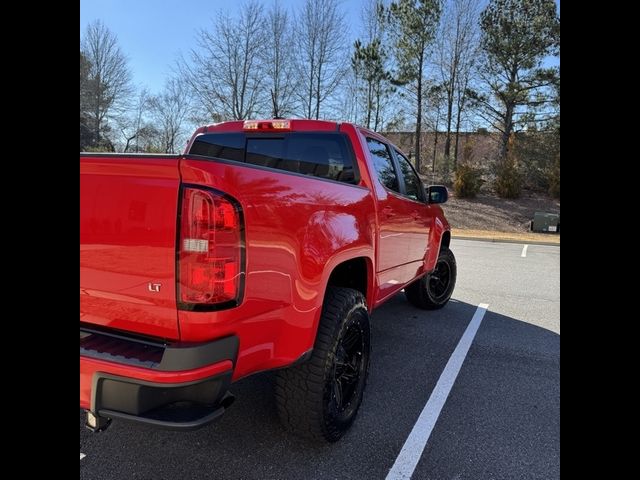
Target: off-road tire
(429, 293)
(320, 398)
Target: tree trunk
(274, 106)
(355, 96)
(369, 102)
(126, 147)
(506, 133)
(310, 89)
(508, 119)
(97, 108)
(455, 152)
(447, 141)
(451, 98)
(318, 91)
(96, 127)
(435, 146)
(419, 119)
(377, 117)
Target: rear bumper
(161, 393)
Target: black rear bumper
(181, 406)
(177, 406)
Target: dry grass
(491, 213)
(509, 236)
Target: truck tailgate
(128, 212)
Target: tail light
(211, 251)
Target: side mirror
(437, 194)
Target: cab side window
(412, 183)
(383, 164)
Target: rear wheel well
(350, 274)
(446, 240)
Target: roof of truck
(294, 124)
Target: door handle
(387, 211)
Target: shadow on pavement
(500, 421)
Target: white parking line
(82, 455)
(413, 447)
(524, 251)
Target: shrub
(467, 181)
(99, 149)
(443, 169)
(508, 181)
(536, 152)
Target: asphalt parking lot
(501, 418)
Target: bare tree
(170, 111)
(321, 38)
(108, 83)
(223, 72)
(278, 61)
(349, 91)
(435, 97)
(86, 126)
(372, 15)
(464, 94)
(134, 122)
(456, 49)
(142, 105)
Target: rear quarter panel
(298, 229)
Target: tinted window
(325, 155)
(266, 152)
(383, 164)
(228, 146)
(411, 179)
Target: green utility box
(546, 222)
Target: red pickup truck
(266, 245)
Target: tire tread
(299, 390)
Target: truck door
(398, 259)
(421, 213)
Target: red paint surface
(297, 229)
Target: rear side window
(324, 155)
(383, 164)
(228, 146)
(411, 180)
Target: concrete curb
(504, 240)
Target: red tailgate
(128, 212)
